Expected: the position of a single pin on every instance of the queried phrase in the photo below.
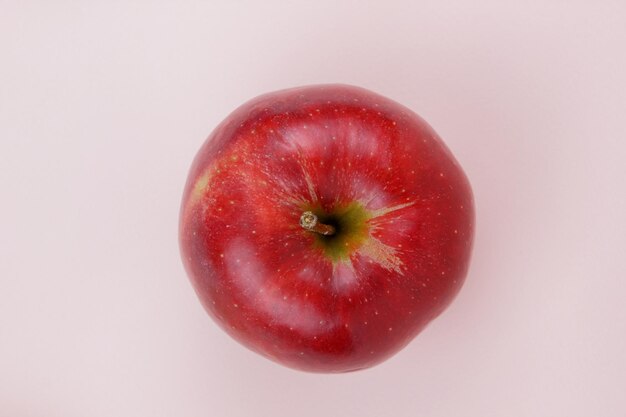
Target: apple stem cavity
(310, 222)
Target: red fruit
(392, 242)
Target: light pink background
(104, 104)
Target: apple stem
(310, 222)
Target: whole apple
(324, 227)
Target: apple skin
(372, 167)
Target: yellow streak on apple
(200, 186)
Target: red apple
(324, 227)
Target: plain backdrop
(104, 104)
